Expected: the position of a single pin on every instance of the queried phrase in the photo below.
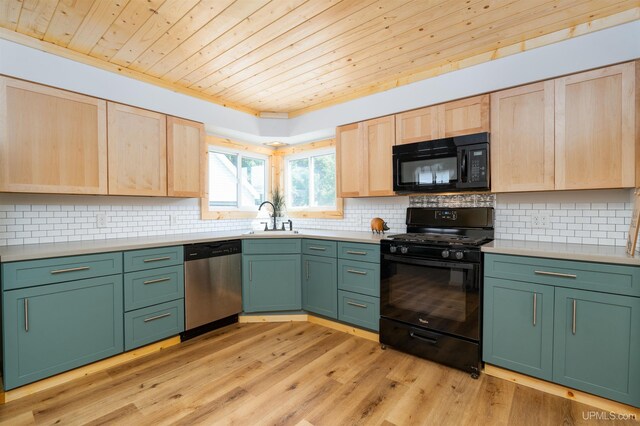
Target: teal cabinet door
(271, 283)
(54, 328)
(320, 285)
(518, 326)
(597, 344)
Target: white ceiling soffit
(612, 45)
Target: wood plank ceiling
(294, 55)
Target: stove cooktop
(439, 239)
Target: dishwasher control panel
(212, 249)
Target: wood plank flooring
(294, 373)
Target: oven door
(433, 171)
(439, 295)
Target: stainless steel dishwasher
(213, 284)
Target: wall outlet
(101, 220)
(541, 221)
(173, 219)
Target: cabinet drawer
(602, 277)
(272, 246)
(139, 260)
(147, 325)
(60, 269)
(359, 309)
(146, 288)
(359, 251)
(320, 248)
(360, 277)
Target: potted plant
(277, 198)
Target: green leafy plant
(277, 198)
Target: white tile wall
(585, 217)
(30, 219)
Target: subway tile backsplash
(583, 217)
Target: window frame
(242, 151)
(287, 183)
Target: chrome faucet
(273, 215)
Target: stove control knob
(404, 250)
(459, 255)
(445, 253)
(393, 249)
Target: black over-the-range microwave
(460, 163)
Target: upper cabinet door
(595, 129)
(466, 116)
(51, 140)
(378, 137)
(420, 125)
(349, 160)
(522, 125)
(137, 151)
(185, 156)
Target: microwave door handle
(463, 165)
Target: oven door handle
(429, 340)
(422, 262)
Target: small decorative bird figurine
(378, 225)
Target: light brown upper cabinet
(348, 160)
(137, 151)
(419, 125)
(185, 157)
(466, 116)
(462, 117)
(595, 128)
(51, 140)
(522, 148)
(364, 158)
(378, 138)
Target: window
(311, 180)
(236, 180)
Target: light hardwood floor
(290, 373)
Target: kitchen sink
(270, 233)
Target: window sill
(338, 213)
(206, 214)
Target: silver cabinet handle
(62, 271)
(307, 268)
(317, 248)
(250, 271)
(157, 259)
(360, 253)
(359, 305)
(353, 271)
(535, 307)
(159, 280)
(26, 315)
(555, 274)
(573, 319)
(157, 317)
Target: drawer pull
(359, 305)
(359, 253)
(353, 271)
(573, 318)
(535, 307)
(159, 280)
(157, 317)
(555, 274)
(62, 271)
(26, 315)
(423, 338)
(157, 259)
(317, 248)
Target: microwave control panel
(478, 165)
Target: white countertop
(42, 251)
(583, 252)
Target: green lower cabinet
(320, 285)
(271, 283)
(359, 309)
(54, 328)
(518, 326)
(597, 344)
(148, 325)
